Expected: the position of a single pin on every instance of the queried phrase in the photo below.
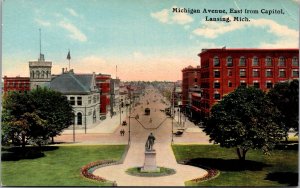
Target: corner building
(223, 70)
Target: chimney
(63, 70)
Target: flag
(69, 55)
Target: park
(149, 154)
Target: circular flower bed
(87, 170)
(136, 171)
(212, 173)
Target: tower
(40, 71)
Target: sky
(144, 39)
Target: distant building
(18, 84)
(103, 84)
(83, 94)
(223, 70)
(114, 96)
(190, 87)
(40, 73)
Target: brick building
(103, 84)
(190, 85)
(20, 84)
(223, 70)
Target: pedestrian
(121, 132)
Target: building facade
(114, 96)
(18, 84)
(103, 84)
(223, 70)
(83, 94)
(190, 84)
(40, 73)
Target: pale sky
(143, 38)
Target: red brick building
(223, 70)
(103, 83)
(20, 84)
(190, 85)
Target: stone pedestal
(150, 162)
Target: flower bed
(211, 173)
(136, 171)
(87, 170)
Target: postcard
(150, 93)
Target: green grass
(57, 166)
(278, 169)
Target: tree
(244, 119)
(36, 115)
(285, 97)
(53, 107)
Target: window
(256, 84)
(243, 84)
(269, 73)
(268, 61)
(37, 74)
(229, 84)
(269, 85)
(281, 61)
(242, 73)
(79, 101)
(217, 96)
(72, 100)
(255, 73)
(217, 74)
(282, 73)
(229, 62)
(79, 118)
(242, 61)
(216, 61)
(229, 73)
(295, 73)
(90, 100)
(295, 61)
(195, 80)
(217, 85)
(255, 61)
(94, 99)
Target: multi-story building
(223, 70)
(83, 94)
(19, 84)
(190, 84)
(114, 96)
(40, 73)
(103, 84)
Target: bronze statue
(150, 142)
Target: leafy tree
(34, 116)
(244, 119)
(285, 97)
(53, 107)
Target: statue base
(150, 162)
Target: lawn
(278, 169)
(55, 166)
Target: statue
(150, 142)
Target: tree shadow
(290, 146)
(227, 164)
(19, 153)
(290, 178)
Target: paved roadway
(161, 127)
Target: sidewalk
(109, 125)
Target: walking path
(165, 156)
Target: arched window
(281, 61)
(79, 118)
(37, 74)
(42, 74)
(216, 61)
(295, 61)
(242, 61)
(47, 74)
(268, 61)
(255, 61)
(94, 116)
(229, 61)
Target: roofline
(247, 49)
